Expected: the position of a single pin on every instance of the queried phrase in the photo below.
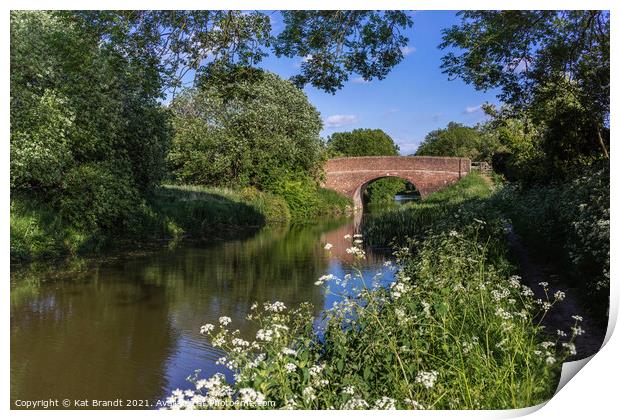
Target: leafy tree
(78, 108)
(251, 133)
(180, 45)
(553, 65)
(185, 46)
(335, 44)
(459, 141)
(361, 142)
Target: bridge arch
(428, 174)
(358, 195)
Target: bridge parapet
(350, 175)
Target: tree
(361, 142)
(553, 65)
(185, 46)
(335, 44)
(252, 133)
(78, 108)
(458, 140)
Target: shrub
(306, 200)
(569, 222)
(99, 197)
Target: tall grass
(413, 219)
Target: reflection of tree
(102, 338)
(129, 327)
(228, 278)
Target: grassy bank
(39, 231)
(455, 330)
(568, 224)
(169, 213)
(415, 218)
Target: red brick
(350, 175)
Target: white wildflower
(249, 396)
(570, 347)
(239, 342)
(502, 313)
(385, 403)
(355, 404)
(308, 393)
(264, 334)
(224, 320)
(325, 278)
(578, 330)
(274, 307)
(547, 344)
(427, 378)
(206, 328)
(349, 390)
(328, 246)
(290, 367)
(514, 281)
(559, 295)
(413, 404)
(289, 352)
(315, 370)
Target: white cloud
(406, 50)
(407, 147)
(472, 109)
(390, 112)
(339, 120)
(307, 58)
(360, 80)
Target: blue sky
(415, 98)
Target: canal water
(128, 326)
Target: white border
(593, 393)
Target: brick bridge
(428, 174)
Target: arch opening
(385, 192)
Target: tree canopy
(552, 65)
(82, 117)
(459, 141)
(253, 133)
(335, 44)
(361, 142)
(185, 46)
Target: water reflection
(128, 327)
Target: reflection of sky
(193, 351)
(338, 269)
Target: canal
(127, 326)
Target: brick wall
(428, 174)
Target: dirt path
(533, 271)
